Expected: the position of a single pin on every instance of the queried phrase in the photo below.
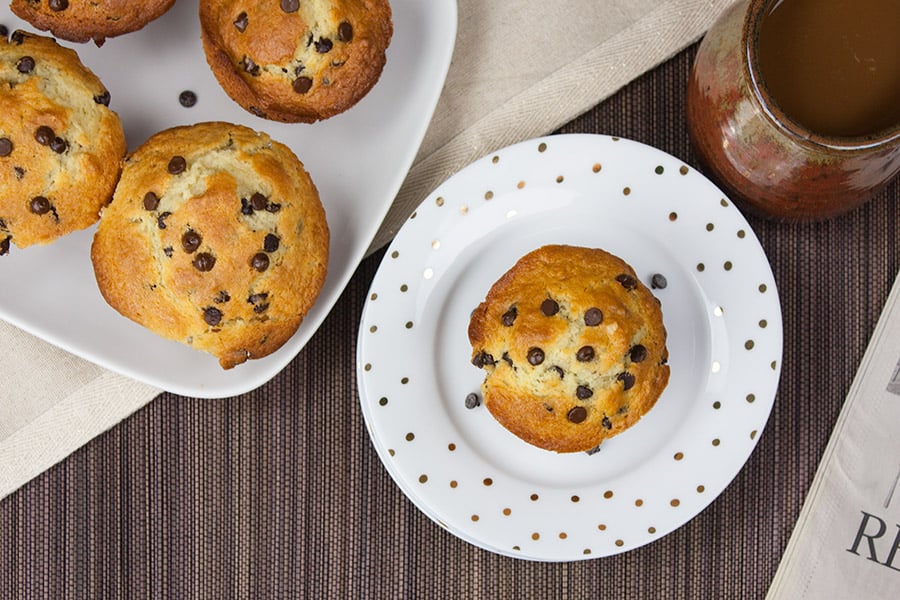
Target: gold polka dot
(413, 216)
(638, 502)
(520, 185)
(753, 435)
(383, 401)
(559, 179)
(620, 543)
(615, 139)
(409, 324)
(651, 530)
(488, 195)
(700, 489)
(410, 436)
(563, 535)
(608, 494)
(626, 190)
(474, 517)
(762, 288)
(601, 527)
(391, 451)
(534, 497)
(683, 170)
(439, 201)
(464, 209)
(395, 254)
(727, 266)
(575, 499)
(659, 170)
(451, 447)
(507, 511)
(749, 344)
(405, 380)
(717, 405)
(710, 226)
(495, 159)
(701, 267)
(586, 551)
(453, 483)
(674, 502)
(488, 481)
(368, 367)
(763, 323)
(723, 202)
(516, 548)
(773, 364)
(716, 442)
(542, 146)
(423, 478)
(404, 288)
(741, 233)
(678, 455)
(751, 397)
(673, 216)
(535, 536)
(374, 296)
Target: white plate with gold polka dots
(721, 311)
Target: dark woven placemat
(279, 493)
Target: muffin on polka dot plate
(296, 60)
(573, 346)
(216, 237)
(61, 147)
(84, 20)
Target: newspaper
(846, 543)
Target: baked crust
(559, 374)
(300, 62)
(227, 254)
(61, 147)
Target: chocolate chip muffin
(293, 60)
(215, 237)
(573, 346)
(83, 20)
(61, 147)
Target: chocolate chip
(4, 245)
(270, 244)
(273, 207)
(212, 315)
(593, 450)
(6, 146)
(222, 297)
(241, 22)
(204, 261)
(58, 5)
(20, 172)
(102, 98)
(658, 281)
(18, 36)
(549, 307)
(58, 145)
(583, 392)
(260, 262)
(535, 356)
(585, 354)
(638, 353)
(151, 201)
(169, 251)
(39, 205)
(25, 64)
(628, 282)
(345, 31)
(246, 209)
(324, 45)
(44, 135)
(507, 359)
(257, 298)
(577, 415)
(258, 201)
(472, 400)
(4, 30)
(593, 317)
(161, 219)
(290, 6)
(302, 85)
(190, 241)
(483, 358)
(607, 424)
(177, 165)
(627, 380)
(509, 317)
(258, 112)
(187, 98)
(250, 66)
(559, 371)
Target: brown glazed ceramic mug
(770, 164)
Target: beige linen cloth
(521, 68)
(846, 543)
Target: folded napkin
(846, 543)
(520, 69)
